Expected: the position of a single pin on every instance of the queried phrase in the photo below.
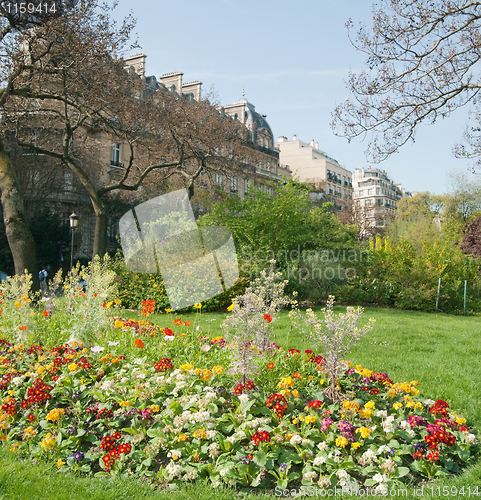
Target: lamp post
(73, 224)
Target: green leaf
(260, 458)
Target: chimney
(281, 138)
(137, 61)
(312, 143)
(294, 138)
(317, 145)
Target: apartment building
(312, 165)
(376, 195)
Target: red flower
(432, 456)
(169, 332)
(268, 318)
(45, 313)
(164, 364)
(250, 385)
(239, 389)
(22, 327)
(270, 366)
(139, 343)
(296, 375)
(31, 417)
(315, 404)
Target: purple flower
(283, 467)
(326, 423)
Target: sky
(292, 60)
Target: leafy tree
(279, 226)
(422, 58)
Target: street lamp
(73, 224)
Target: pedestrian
(42, 277)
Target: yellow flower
(124, 404)
(60, 463)
(310, 419)
(73, 367)
(341, 442)
(168, 310)
(355, 445)
(116, 301)
(396, 406)
(370, 405)
(28, 433)
(206, 374)
(198, 305)
(366, 413)
(155, 408)
(418, 406)
(415, 392)
(18, 304)
(49, 442)
(295, 393)
(365, 432)
(109, 304)
(310, 377)
(217, 369)
(286, 393)
(186, 367)
(14, 447)
(55, 414)
(285, 383)
(294, 421)
(231, 307)
(199, 433)
(118, 324)
(460, 420)
(182, 437)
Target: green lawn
(442, 352)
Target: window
(247, 186)
(218, 178)
(115, 162)
(233, 184)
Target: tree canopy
(423, 59)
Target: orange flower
(22, 327)
(177, 321)
(270, 365)
(139, 343)
(169, 332)
(297, 375)
(45, 313)
(187, 323)
(268, 318)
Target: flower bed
(184, 415)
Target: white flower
(173, 469)
(243, 398)
(381, 414)
(82, 387)
(210, 434)
(383, 449)
(470, 439)
(97, 348)
(428, 402)
(410, 432)
(174, 454)
(322, 446)
(215, 484)
(381, 489)
(16, 380)
(319, 461)
(241, 434)
(124, 380)
(138, 361)
(113, 343)
(295, 439)
(205, 348)
(169, 338)
(223, 472)
(336, 459)
(342, 474)
(380, 478)
(231, 439)
(404, 424)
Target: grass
(442, 352)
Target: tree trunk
(100, 241)
(20, 239)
